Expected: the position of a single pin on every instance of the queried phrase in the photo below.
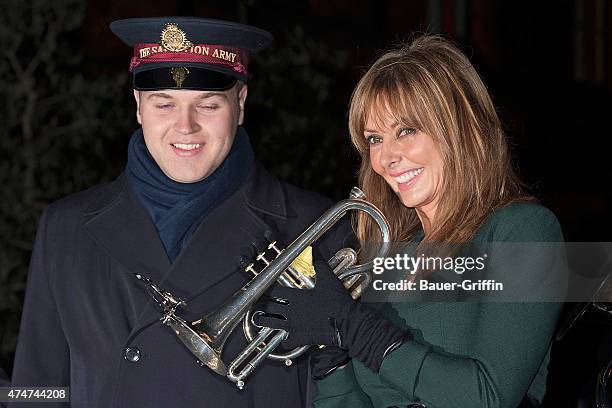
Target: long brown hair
(429, 83)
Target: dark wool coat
(84, 308)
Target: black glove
(309, 316)
(327, 315)
(326, 360)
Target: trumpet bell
(194, 341)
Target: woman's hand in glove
(327, 315)
(309, 315)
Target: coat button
(132, 354)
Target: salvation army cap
(188, 52)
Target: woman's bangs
(390, 106)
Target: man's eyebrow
(211, 94)
(159, 95)
(204, 95)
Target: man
(191, 199)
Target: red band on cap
(229, 57)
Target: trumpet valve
(262, 257)
(274, 247)
(251, 269)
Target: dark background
(66, 111)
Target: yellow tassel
(303, 263)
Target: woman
(436, 161)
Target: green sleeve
(340, 389)
(507, 342)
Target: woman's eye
(373, 139)
(406, 132)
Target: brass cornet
(205, 337)
(241, 367)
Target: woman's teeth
(406, 177)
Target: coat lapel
(124, 230)
(207, 270)
(225, 235)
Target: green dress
(464, 354)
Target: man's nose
(389, 153)
(186, 122)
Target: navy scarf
(178, 208)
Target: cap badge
(174, 39)
(179, 74)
